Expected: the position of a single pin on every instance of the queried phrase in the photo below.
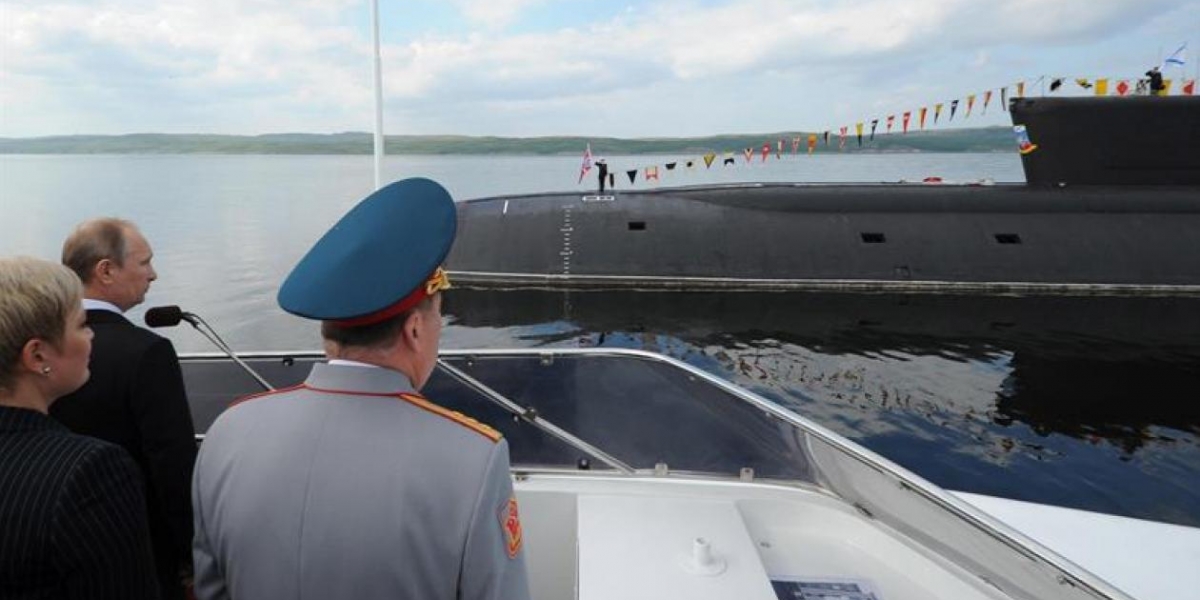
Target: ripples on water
(1086, 402)
(1083, 402)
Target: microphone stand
(196, 321)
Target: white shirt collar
(341, 362)
(90, 304)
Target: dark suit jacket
(135, 399)
(72, 515)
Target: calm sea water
(1085, 402)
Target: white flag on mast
(1177, 58)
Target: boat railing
(642, 414)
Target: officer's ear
(411, 332)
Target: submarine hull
(1112, 206)
(1003, 238)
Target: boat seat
(632, 547)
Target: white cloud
(493, 14)
(738, 38)
(192, 49)
(305, 63)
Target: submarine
(1110, 206)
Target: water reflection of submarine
(1071, 365)
(1057, 325)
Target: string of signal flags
(937, 114)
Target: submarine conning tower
(1132, 140)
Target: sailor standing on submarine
(352, 484)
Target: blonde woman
(72, 511)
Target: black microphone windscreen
(164, 316)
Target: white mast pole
(378, 95)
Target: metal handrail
(530, 415)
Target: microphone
(166, 316)
(170, 316)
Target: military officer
(353, 485)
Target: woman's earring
(46, 370)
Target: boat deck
(616, 537)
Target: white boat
(640, 476)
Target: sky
(525, 68)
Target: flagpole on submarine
(378, 94)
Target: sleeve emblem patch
(510, 523)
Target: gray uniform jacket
(352, 486)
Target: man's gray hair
(94, 241)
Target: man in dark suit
(135, 397)
(602, 169)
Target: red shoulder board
(457, 417)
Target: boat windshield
(642, 411)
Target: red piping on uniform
(356, 393)
(305, 386)
(238, 401)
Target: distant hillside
(991, 139)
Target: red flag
(587, 162)
(1188, 88)
(766, 150)
(1122, 87)
(907, 115)
(891, 118)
